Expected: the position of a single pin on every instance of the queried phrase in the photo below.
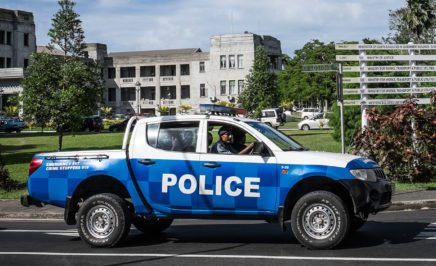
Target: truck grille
(379, 173)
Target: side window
(173, 136)
(236, 141)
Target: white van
(272, 117)
(308, 113)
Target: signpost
(409, 69)
(337, 68)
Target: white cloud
(127, 25)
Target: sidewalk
(404, 200)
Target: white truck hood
(316, 158)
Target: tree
(297, 86)
(61, 90)
(261, 89)
(414, 23)
(66, 32)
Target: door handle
(212, 165)
(146, 162)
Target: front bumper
(370, 197)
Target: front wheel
(152, 225)
(104, 220)
(305, 127)
(320, 220)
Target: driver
(224, 145)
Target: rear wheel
(305, 127)
(320, 220)
(104, 220)
(152, 225)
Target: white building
(17, 43)
(137, 82)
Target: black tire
(305, 127)
(320, 220)
(356, 223)
(268, 124)
(151, 226)
(103, 220)
(306, 117)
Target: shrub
(6, 182)
(403, 142)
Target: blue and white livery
(167, 169)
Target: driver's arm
(247, 149)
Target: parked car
(12, 124)
(307, 113)
(120, 116)
(92, 123)
(316, 122)
(120, 126)
(273, 117)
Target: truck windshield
(281, 140)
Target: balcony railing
(127, 80)
(145, 102)
(11, 73)
(166, 79)
(148, 79)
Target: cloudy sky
(133, 25)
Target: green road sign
(320, 68)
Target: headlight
(365, 174)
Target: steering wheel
(258, 148)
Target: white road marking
(220, 256)
(30, 220)
(38, 231)
(429, 233)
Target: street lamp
(138, 96)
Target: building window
(240, 86)
(274, 62)
(232, 87)
(185, 91)
(128, 94)
(127, 72)
(223, 87)
(184, 69)
(26, 39)
(147, 71)
(168, 92)
(111, 73)
(168, 70)
(2, 62)
(240, 61)
(111, 95)
(202, 69)
(223, 60)
(8, 38)
(148, 93)
(26, 63)
(2, 37)
(203, 92)
(232, 61)
(8, 62)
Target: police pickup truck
(168, 169)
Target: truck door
(238, 184)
